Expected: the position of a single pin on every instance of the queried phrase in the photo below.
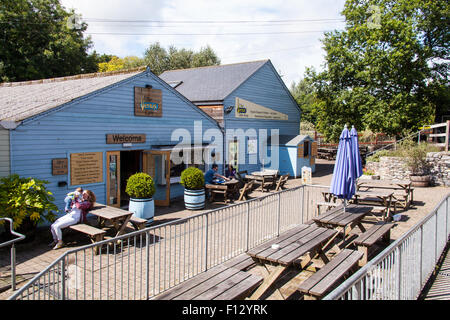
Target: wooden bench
(365, 241)
(281, 182)
(138, 223)
(380, 209)
(328, 205)
(218, 283)
(94, 234)
(404, 199)
(217, 189)
(329, 276)
(248, 187)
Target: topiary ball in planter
(193, 181)
(141, 188)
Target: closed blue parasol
(344, 176)
(356, 154)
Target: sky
(288, 32)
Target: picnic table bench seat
(138, 223)
(94, 234)
(365, 241)
(329, 276)
(218, 283)
(327, 205)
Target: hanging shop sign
(59, 166)
(86, 167)
(147, 102)
(250, 110)
(120, 138)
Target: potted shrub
(27, 202)
(141, 188)
(415, 159)
(193, 181)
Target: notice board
(86, 167)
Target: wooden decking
(440, 287)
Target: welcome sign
(147, 102)
(250, 110)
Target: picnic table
(402, 189)
(382, 199)
(379, 200)
(228, 189)
(266, 178)
(343, 220)
(116, 217)
(296, 246)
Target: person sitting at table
(230, 172)
(76, 215)
(212, 173)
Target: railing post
(279, 215)
(13, 267)
(399, 273)
(206, 245)
(147, 244)
(63, 279)
(248, 225)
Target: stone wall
(395, 168)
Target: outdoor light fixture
(229, 109)
(148, 86)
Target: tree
(40, 39)
(387, 70)
(304, 94)
(160, 59)
(116, 63)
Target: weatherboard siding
(4, 152)
(82, 126)
(263, 88)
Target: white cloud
(290, 53)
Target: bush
(23, 199)
(192, 178)
(140, 186)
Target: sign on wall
(86, 167)
(252, 146)
(59, 166)
(250, 110)
(125, 138)
(147, 102)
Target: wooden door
(113, 178)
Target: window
(306, 149)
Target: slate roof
(22, 100)
(213, 83)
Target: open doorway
(131, 163)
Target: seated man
(212, 173)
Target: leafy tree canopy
(388, 70)
(160, 59)
(40, 39)
(116, 63)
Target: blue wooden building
(296, 152)
(95, 131)
(246, 99)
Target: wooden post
(447, 135)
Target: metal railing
(13, 250)
(142, 264)
(402, 269)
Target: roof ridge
(74, 77)
(219, 65)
